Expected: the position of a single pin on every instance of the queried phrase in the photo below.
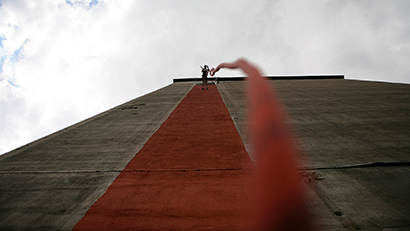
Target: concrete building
(355, 136)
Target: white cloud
(63, 61)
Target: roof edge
(279, 77)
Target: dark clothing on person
(205, 71)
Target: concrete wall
(52, 182)
(356, 139)
(355, 136)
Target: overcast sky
(62, 61)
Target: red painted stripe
(195, 175)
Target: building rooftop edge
(283, 77)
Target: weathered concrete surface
(51, 183)
(340, 124)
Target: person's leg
(203, 83)
(206, 82)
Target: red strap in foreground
(280, 199)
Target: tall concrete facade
(355, 137)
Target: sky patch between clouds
(64, 61)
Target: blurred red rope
(280, 199)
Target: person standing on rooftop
(205, 71)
